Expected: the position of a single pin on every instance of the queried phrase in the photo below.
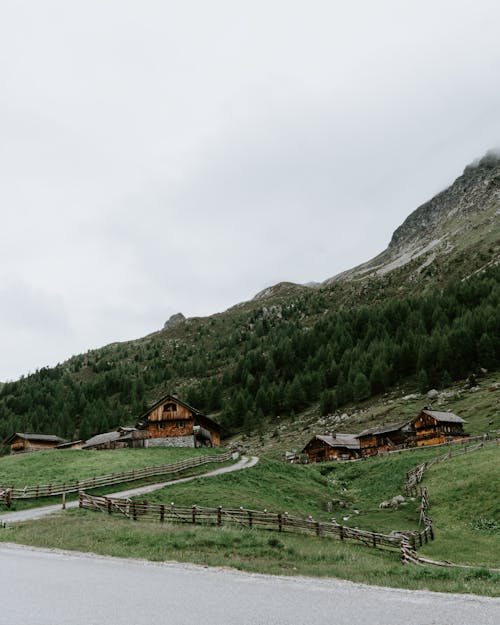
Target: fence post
(162, 513)
(341, 529)
(8, 497)
(134, 511)
(193, 514)
(108, 504)
(318, 528)
(249, 518)
(219, 515)
(280, 522)
(63, 503)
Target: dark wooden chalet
(332, 447)
(386, 437)
(21, 442)
(173, 422)
(434, 428)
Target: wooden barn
(332, 447)
(171, 422)
(434, 428)
(386, 437)
(21, 442)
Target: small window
(180, 424)
(170, 407)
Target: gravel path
(37, 513)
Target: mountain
(424, 313)
(457, 231)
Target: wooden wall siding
(319, 451)
(159, 414)
(215, 439)
(165, 429)
(20, 445)
(432, 432)
(172, 419)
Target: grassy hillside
(479, 406)
(299, 490)
(57, 466)
(465, 507)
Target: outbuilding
(21, 442)
(325, 447)
(386, 437)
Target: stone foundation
(171, 441)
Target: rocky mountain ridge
(465, 217)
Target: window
(170, 407)
(180, 424)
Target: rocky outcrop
(174, 321)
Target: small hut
(386, 437)
(21, 442)
(332, 447)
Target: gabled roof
(172, 398)
(101, 439)
(349, 441)
(45, 438)
(445, 417)
(384, 429)
(176, 400)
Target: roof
(69, 443)
(384, 429)
(45, 438)
(102, 439)
(175, 399)
(349, 441)
(447, 417)
(167, 398)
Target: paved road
(36, 513)
(41, 587)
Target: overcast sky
(162, 156)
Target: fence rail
(243, 517)
(7, 494)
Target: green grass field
(464, 515)
(59, 466)
(465, 509)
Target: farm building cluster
(431, 427)
(170, 422)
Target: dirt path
(36, 513)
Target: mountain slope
(409, 316)
(461, 221)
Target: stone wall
(171, 441)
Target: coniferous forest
(244, 367)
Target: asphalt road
(37, 513)
(41, 587)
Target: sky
(163, 156)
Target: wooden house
(332, 447)
(386, 437)
(434, 428)
(173, 422)
(21, 442)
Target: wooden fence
(413, 479)
(415, 475)
(277, 521)
(7, 494)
